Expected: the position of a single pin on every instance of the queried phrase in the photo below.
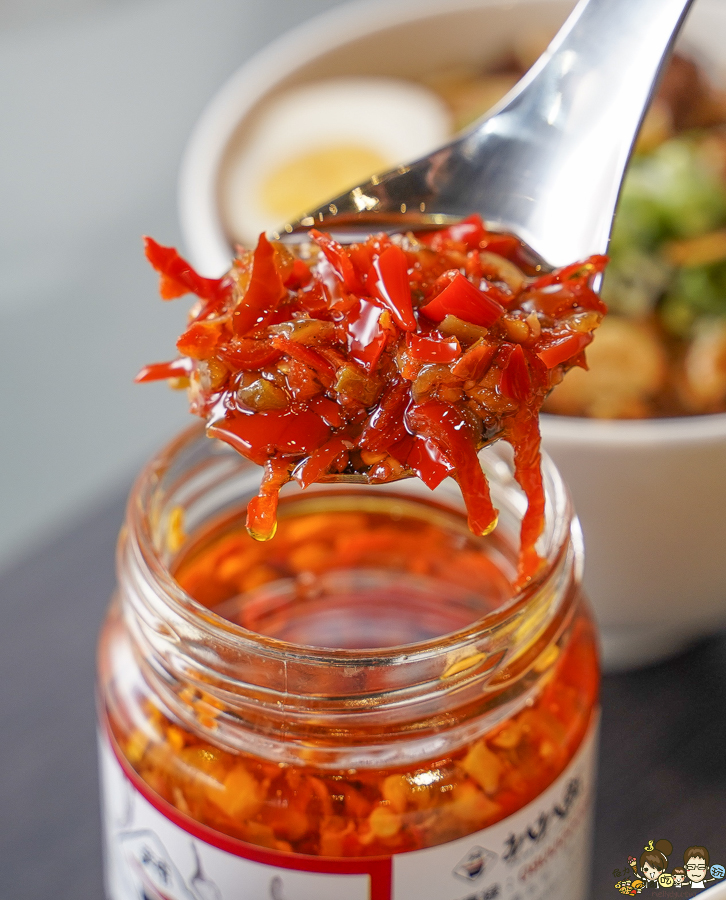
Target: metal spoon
(548, 161)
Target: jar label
(540, 852)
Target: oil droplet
(263, 536)
(492, 525)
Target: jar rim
(560, 535)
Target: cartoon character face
(665, 880)
(678, 878)
(696, 869)
(650, 872)
(718, 871)
(475, 863)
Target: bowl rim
(201, 222)
(676, 431)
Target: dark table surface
(663, 748)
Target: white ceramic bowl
(651, 495)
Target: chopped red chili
(462, 299)
(516, 380)
(565, 347)
(179, 278)
(177, 368)
(391, 285)
(395, 356)
(432, 347)
(263, 293)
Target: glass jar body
(304, 760)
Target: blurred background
(97, 99)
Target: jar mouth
(164, 482)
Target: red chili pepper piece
(448, 428)
(504, 244)
(338, 258)
(248, 354)
(299, 277)
(306, 355)
(427, 461)
(469, 231)
(577, 273)
(564, 348)
(461, 299)
(199, 340)
(366, 338)
(523, 434)
(475, 362)
(264, 292)
(177, 368)
(313, 300)
(280, 432)
(386, 426)
(331, 413)
(432, 347)
(362, 256)
(401, 447)
(262, 509)
(336, 358)
(316, 465)
(389, 281)
(179, 278)
(516, 382)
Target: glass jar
(361, 708)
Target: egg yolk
(304, 182)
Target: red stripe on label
(377, 867)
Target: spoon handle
(552, 156)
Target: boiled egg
(315, 141)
